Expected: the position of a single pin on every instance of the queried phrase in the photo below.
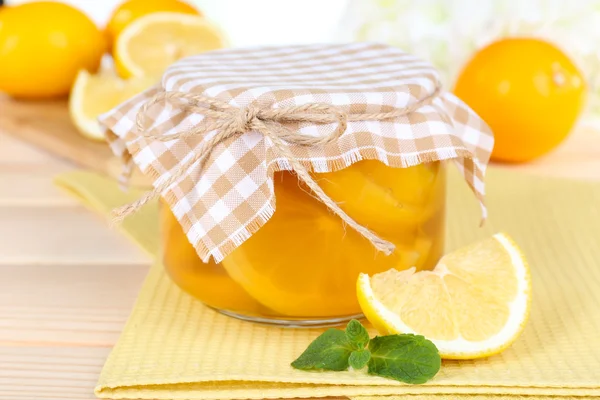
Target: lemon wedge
(151, 43)
(94, 94)
(474, 304)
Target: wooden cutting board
(46, 124)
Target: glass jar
(301, 267)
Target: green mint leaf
(330, 351)
(357, 334)
(359, 358)
(406, 358)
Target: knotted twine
(229, 121)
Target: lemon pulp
(473, 304)
(95, 94)
(151, 43)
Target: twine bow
(229, 121)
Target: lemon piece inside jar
(206, 281)
(382, 197)
(304, 262)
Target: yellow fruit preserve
(302, 265)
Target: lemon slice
(473, 304)
(92, 95)
(151, 43)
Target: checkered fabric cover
(223, 204)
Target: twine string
(228, 121)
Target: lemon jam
(303, 264)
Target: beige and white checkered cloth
(221, 205)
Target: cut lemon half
(151, 43)
(94, 94)
(474, 304)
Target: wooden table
(67, 282)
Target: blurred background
(553, 69)
(249, 22)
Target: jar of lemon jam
(301, 267)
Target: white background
(252, 22)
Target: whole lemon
(133, 9)
(42, 47)
(528, 91)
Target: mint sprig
(407, 358)
(359, 358)
(357, 334)
(329, 352)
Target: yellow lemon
(153, 42)
(528, 91)
(93, 95)
(474, 304)
(42, 47)
(131, 10)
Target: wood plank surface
(16, 151)
(30, 185)
(50, 373)
(578, 157)
(47, 125)
(79, 304)
(64, 235)
(68, 282)
(60, 310)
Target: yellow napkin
(175, 348)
